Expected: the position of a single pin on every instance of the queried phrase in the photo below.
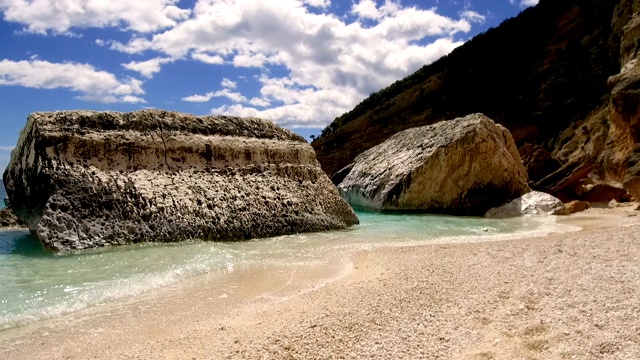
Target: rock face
(463, 166)
(538, 161)
(533, 203)
(9, 219)
(583, 118)
(83, 179)
(535, 83)
(604, 192)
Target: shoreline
(526, 298)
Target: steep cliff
(85, 179)
(543, 75)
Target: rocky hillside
(543, 75)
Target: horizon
(299, 63)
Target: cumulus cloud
(321, 52)
(207, 59)
(524, 3)
(92, 84)
(228, 83)
(147, 68)
(366, 9)
(60, 16)
(318, 3)
(315, 65)
(233, 96)
(473, 16)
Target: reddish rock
(577, 206)
(605, 193)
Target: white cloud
(524, 3)
(208, 59)
(7, 148)
(473, 16)
(147, 68)
(321, 53)
(228, 83)
(259, 102)
(94, 85)
(325, 64)
(365, 9)
(61, 16)
(233, 96)
(318, 3)
(249, 60)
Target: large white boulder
(463, 166)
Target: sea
(38, 285)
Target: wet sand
(569, 295)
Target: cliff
(85, 179)
(543, 75)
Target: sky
(298, 63)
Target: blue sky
(299, 63)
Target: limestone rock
(463, 166)
(341, 174)
(577, 206)
(532, 203)
(538, 161)
(605, 192)
(9, 219)
(632, 175)
(84, 179)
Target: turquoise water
(36, 285)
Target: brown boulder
(605, 192)
(577, 206)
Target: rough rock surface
(464, 166)
(84, 179)
(533, 203)
(605, 192)
(584, 62)
(577, 206)
(9, 219)
(567, 60)
(538, 161)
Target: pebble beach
(568, 295)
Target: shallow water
(38, 285)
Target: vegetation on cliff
(535, 74)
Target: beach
(568, 295)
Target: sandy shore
(563, 296)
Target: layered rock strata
(84, 179)
(463, 166)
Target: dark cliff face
(535, 74)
